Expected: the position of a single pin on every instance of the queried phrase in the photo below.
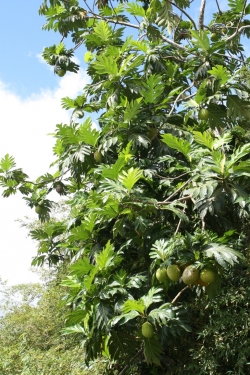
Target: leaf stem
(179, 294)
(176, 192)
(178, 97)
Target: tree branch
(237, 31)
(176, 45)
(178, 97)
(218, 7)
(128, 24)
(176, 192)
(179, 294)
(186, 14)
(238, 28)
(201, 16)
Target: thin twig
(172, 178)
(176, 192)
(201, 16)
(130, 362)
(178, 227)
(178, 97)
(218, 7)
(114, 12)
(178, 295)
(177, 200)
(186, 14)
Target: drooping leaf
(152, 351)
(223, 254)
(178, 144)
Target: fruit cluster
(189, 273)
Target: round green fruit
(147, 330)
(98, 156)
(174, 272)
(61, 72)
(214, 37)
(190, 275)
(207, 275)
(161, 275)
(203, 114)
(80, 113)
(38, 210)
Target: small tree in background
(158, 191)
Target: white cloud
(24, 127)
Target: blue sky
(21, 40)
(30, 102)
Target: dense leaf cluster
(156, 182)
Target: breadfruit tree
(158, 187)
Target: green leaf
(130, 177)
(112, 187)
(79, 233)
(132, 109)
(222, 140)
(236, 5)
(133, 305)
(201, 39)
(123, 319)
(217, 116)
(223, 254)
(88, 134)
(77, 328)
(75, 317)
(165, 18)
(135, 9)
(221, 73)
(105, 65)
(204, 139)
(213, 289)
(71, 282)
(104, 31)
(107, 257)
(238, 154)
(161, 315)
(238, 108)
(242, 169)
(7, 162)
(152, 351)
(153, 296)
(178, 144)
(177, 211)
(153, 89)
(161, 249)
(81, 267)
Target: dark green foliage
(167, 186)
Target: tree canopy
(157, 186)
